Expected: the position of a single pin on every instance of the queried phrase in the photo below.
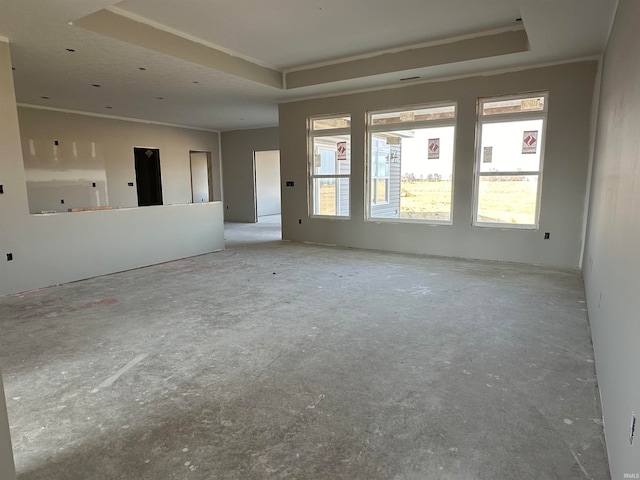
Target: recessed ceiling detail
(241, 51)
(410, 58)
(121, 27)
(118, 24)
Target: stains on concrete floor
(273, 360)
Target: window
(509, 161)
(411, 164)
(380, 162)
(329, 166)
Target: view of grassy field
(500, 201)
(328, 199)
(508, 202)
(425, 200)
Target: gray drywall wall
(9, 154)
(612, 255)
(200, 176)
(238, 147)
(268, 182)
(7, 469)
(63, 247)
(117, 140)
(563, 190)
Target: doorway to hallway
(267, 183)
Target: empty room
(312, 240)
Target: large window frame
(510, 117)
(313, 133)
(373, 129)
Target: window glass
(331, 155)
(411, 165)
(508, 199)
(514, 105)
(417, 115)
(329, 166)
(511, 146)
(331, 196)
(511, 134)
(331, 123)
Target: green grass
(425, 200)
(508, 202)
(501, 202)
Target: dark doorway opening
(148, 180)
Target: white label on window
(342, 150)
(487, 154)
(434, 148)
(529, 141)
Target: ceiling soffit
(138, 31)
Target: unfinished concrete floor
(287, 361)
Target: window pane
(381, 191)
(417, 115)
(331, 196)
(511, 146)
(329, 123)
(420, 170)
(499, 107)
(507, 199)
(331, 155)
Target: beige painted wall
(612, 255)
(238, 147)
(563, 190)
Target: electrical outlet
(9, 257)
(632, 433)
(1, 189)
(300, 221)
(62, 201)
(546, 235)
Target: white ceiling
(280, 34)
